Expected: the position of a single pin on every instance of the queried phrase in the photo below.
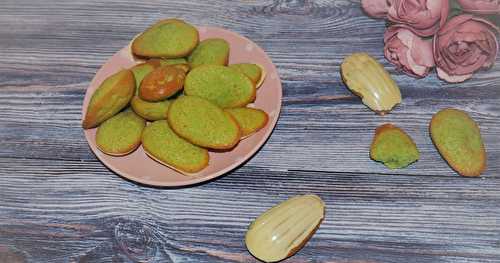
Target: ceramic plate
(138, 167)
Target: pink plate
(138, 167)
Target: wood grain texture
(59, 204)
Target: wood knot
(136, 240)
(10, 255)
(293, 7)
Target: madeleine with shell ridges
(169, 38)
(458, 139)
(166, 147)
(114, 94)
(203, 123)
(121, 134)
(224, 86)
(367, 78)
(283, 230)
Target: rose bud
(407, 51)
(463, 46)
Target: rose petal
(452, 79)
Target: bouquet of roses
(422, 35)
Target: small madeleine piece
(458, 139)
(162, 83)
(250, 120)
(121, 134)
(284, 229)
(367, 78)
(166, 147)
(393, 147)
(111, 97)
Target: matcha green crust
(221, 85)
(212, 51)
(393, 147)
(458, 139)
(170, 38)
(250, 120)
(121, 134)
(151, 111)
(252, 71)
(109, 98)
(203, 123)
(166, 147)
(140, 71)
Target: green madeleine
(221, 85)
(150, 111)
(121, 134)
(109, 98)
(163, 145)
(393, 147)
(250, 120)
(212, 51)
(458, 139)
(170, 38)
(203, 123)
(253, 71)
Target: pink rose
(407, 51)
(424, 16)
(464, 45)
(481, 6)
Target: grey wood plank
(329, 134)
(73, 211)
(59, 204)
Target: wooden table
(58, 203)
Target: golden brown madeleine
(109, 98)
(393, 147)
(121, 134)
(458, 139)
(162, 83)
(140, 71)
(167, 148)
(250, 120)
(284, 229)
(203, 123)
(170, 38)
(367, 78)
